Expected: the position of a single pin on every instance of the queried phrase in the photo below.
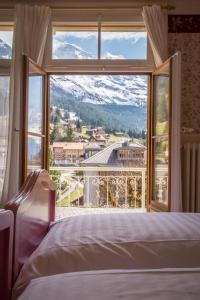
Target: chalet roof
(99, 137)
(108, 155)
(92, 146)
(69, 145)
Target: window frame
(130, 19)
(45, 118)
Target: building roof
(92, 146)
(69, 145)
(99, 137)
(108, 155)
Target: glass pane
(4, 115)
(75, 45)
(161, 89)
(123, 45)
(6, 38)
(35, 103)
(161, 157)
(34, 153)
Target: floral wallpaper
(189, 45)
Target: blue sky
(119, 45)
(7, 37)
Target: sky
(7, 37)
(119, 45)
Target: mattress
(174, 284)
(116, 241)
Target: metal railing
(100, 186)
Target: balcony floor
(64, 212)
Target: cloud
(7, 37)
(131, 36)
(61, 36)
(109, 55)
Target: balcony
(83, 190)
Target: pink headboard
(34, 209)
(6, 247)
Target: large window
(99, 42)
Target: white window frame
(97, 65)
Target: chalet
(67, 152)
(98, 138)
(91, 149)
(119, 154)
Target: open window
(160, 139)
(35, 118)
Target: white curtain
(176, 195)
(30, 33)
(4, 116)
(156, 22)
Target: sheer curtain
(4, 115)
(30, 33)
(156, 22)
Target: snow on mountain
(71, 51)
(99, 89)
(5, 50)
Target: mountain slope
(99, 89)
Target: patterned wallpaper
(186, 38)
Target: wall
(184, 35)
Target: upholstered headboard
(6, 248)
(34, 209)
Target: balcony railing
(97, 187)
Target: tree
(68, 137)
(78, 125)
(54, 135)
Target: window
(35, 119)
(6, 38)
(75, 43)
(115, 42)
(123, 43)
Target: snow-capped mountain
(99, 89)
(5, 50)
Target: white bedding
(116, 241)
(117, 284)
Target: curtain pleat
(30, 34)
(156, 22)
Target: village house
(120, 154)
(67, 153)
(98, 138)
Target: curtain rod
(167, 7)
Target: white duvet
(117, 284)
(116, 241)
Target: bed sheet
(174, 284)
(116, 241)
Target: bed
(101, 248)
(163, 284)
